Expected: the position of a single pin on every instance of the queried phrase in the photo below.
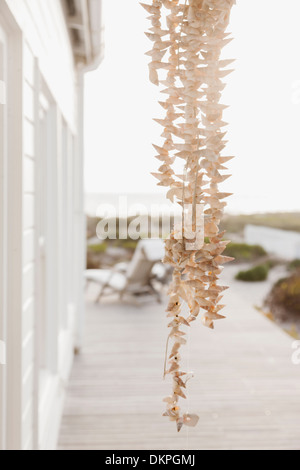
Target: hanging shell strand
(193, 132)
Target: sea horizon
(157, 204)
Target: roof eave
(84, 22)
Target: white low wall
(279, 242)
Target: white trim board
(14, 228)
(3, 232)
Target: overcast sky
(264, 118)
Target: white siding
(27, 426)
(3, 238)
(27, 359)
(46, 39)
(29, 256)
(28, 175)
(28, 65)
(46, 33)
(29, 101)
(28, 317)
(45, 265)
(28, 138)
(28, 212)
(28, 282)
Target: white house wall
(47, 62)
(29, 254)
(44, 28)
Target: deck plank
(246, 389)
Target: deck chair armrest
(120, 267)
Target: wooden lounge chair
(134, 278)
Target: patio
(246, 389)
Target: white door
(3, 225)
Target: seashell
(154, 10)
(179, 392)
(195, 35)
(190, 420)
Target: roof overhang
(84, 22)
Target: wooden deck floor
(246, 390)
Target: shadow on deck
(246, 389)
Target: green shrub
(286, 294)
(257, 274)
(294, 265)
(244, 252)
(100, 248)
(127, 244)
